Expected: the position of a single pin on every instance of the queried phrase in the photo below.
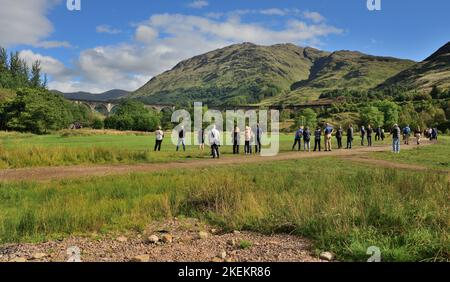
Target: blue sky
(122, 44)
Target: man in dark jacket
(298, 138)
(317, 137)
(369, 135)
(349, 136)
(395, 132)
(378, 134)
(339, 134)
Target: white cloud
(25, 22)
(107, 29)
(164, 40)
(273, 12)
(198, 4)
(51, 66)
(314, 16)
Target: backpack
(181, 134)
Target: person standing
(201, 139)
(418, 134)
(236, 140)
(306, 139)
(395, 132)
(363, 134)
(328, 131)
(258, 134)
(349, 136)
(378, 134)
(317, 137)
(382, 134)
(248, 138)
(181, 136)
(339, 134)
(406, 134)
(159, 138)
(298, 138)
(369, 135)
(434, 133)
(214, 140)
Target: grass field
(27, 150)
(343, 207)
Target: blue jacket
(299, 134)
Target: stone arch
(102, 109)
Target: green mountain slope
(283, 73)
(238, 74)
(433, 71)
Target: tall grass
(342, 206)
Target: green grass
(435, 156)
(343, 207)
(27, 150)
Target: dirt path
(70, 172)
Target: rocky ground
(186, 240)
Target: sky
(113, 44)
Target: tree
(307, 117)
(390, 111)
(371, 115)
(35, 80)
(132, 115)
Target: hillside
(105, 96)
(433, 71)
(251, 74)
(238, 74)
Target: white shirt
(214, 137)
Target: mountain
(105, 96)
(433, 71)
(251, 74)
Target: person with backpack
(369, 135)
(298, 138)
(349, 136)
(328, 131)
(236, 136)
(258, 135)
(363, 134)
(201, 139)
(181, 136)
(248, 136)
(406, 134)
(214, 140)
(339, 134)
(159, 138)
(395, 132)
(306, 139)
(317, 137)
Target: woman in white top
(159, 138)
(214, 140)
(248, 134)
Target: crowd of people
(253, 137)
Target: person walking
(236, 140)
(417, 134)
(258, 135)
(201, 140)
(248, 136)
(395, 132)
(382, 135)
(306, 139)
(369, 135)
(159, 138)
(317, 137)
(328, 131)
(339, 134)
(363, 134)
(434, 133)
(181, 136)
(406, 134)
(298, 138)
(349, 136)
(214, 140)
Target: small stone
(39, 255)
(122, 239)
(18, 259)
(153, 239)
(202, 235)
(141, 258)
(231, 242)
(236, 232)
(328, 256)
(229, 260)
(166, 238)
(222, 255)
(213, 231)
(216, 259)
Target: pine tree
(35, 80)
(3, 60)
